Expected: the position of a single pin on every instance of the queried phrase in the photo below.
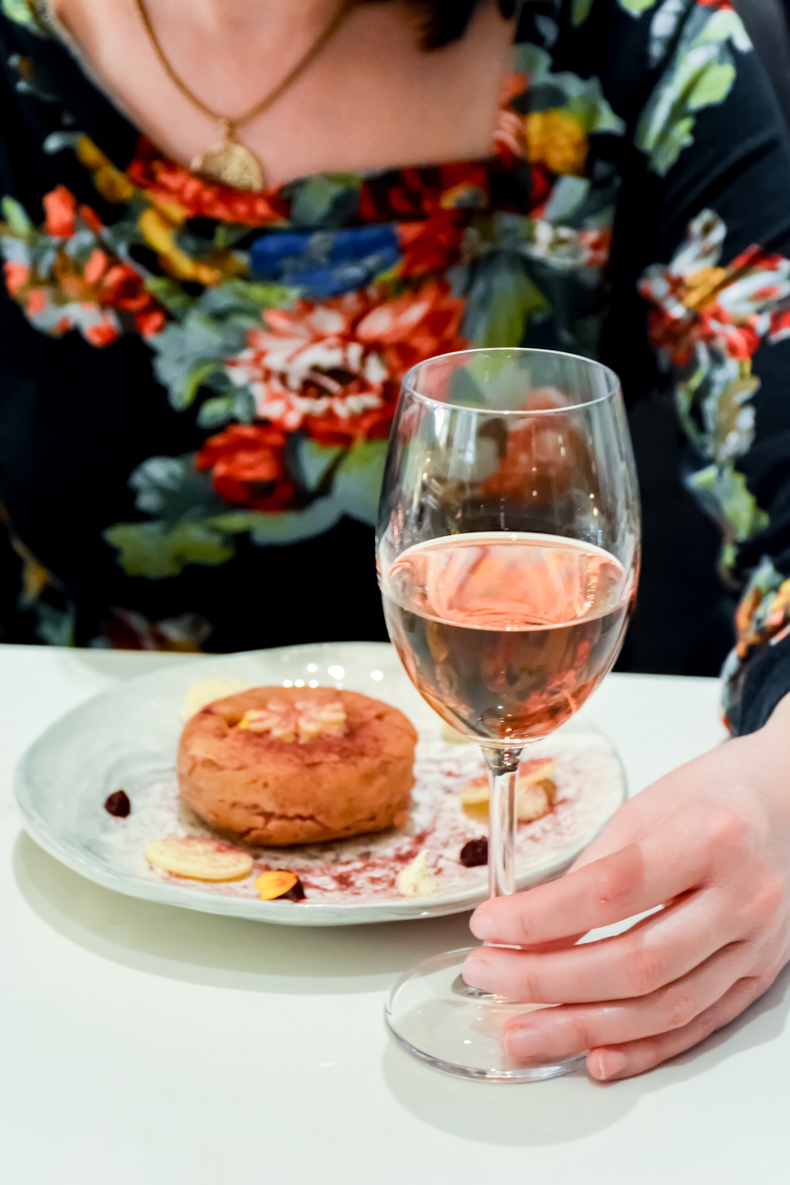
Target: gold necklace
(228, 160)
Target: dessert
(288, 765)
(198, 859)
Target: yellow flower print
(554, 138)
(158, 232)
(704, 286)
(112, 184)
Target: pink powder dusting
(365, 869)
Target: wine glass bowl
(508, 537)
(508, 552)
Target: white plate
(128, 736)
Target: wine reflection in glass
(508, 554)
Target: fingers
(657, 951)
(630, 881)
(558, 1033)
(635, 1057)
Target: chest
(370, 100)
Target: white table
(145, 1045)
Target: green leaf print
(730, 501)
(638, 7)
(712, 87)
(666, 149)
(170, 489)
(700, 75)
(170, 294)
(357, 483)
(55, 627)
(282, 527)
(158, 551)
(21, 13)
(581, 11)
(16, 217)
(215, 412)
(326, 199)
(724, 25)
(188, 354)
(503, 299)
(313, 461)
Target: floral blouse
(196, 383)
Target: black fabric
(768, 24)
(765, 684)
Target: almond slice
(198, 859)
(276, 884)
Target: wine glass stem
(503, 770)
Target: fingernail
(482, 924)
(610, 1065)
(521, 1044)
(478, 972)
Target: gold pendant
(229, 162)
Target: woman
(228, 230)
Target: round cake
(295, 765)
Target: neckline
(65, 37)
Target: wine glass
(508, 551)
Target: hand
(711, 844)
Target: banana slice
(205, 692)
(535, 794)
(198, 859)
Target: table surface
(146, 1044)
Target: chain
(268, 100)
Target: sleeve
(703, 231)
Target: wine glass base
(433, 1017)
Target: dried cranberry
(297, 893)
(474, 853)
(118, 805)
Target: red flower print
(247, 463)
(700, 304)
(334, 369)
(433, 245)
(103, 334)
(60, 206)
(420, 192)
(16, 276)
(36, 302)
(169, 184)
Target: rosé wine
(506, 635)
